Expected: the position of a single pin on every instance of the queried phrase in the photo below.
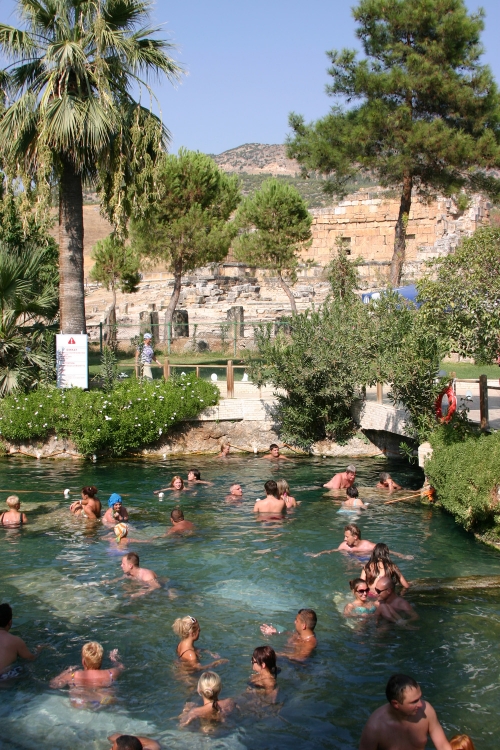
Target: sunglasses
(380, 591)
(362, 591)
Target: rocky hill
(257, 158)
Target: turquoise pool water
(234, 574)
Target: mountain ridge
(257, 158)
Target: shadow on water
(233, 574)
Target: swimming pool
(234, 574)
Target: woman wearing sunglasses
(360, 607)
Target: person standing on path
(147, 356)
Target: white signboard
(72, 360)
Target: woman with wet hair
(265, 670)
(284, 493)
(380, 565)
(176, 485)
(188, 630)
(213, 709)
(89, 506)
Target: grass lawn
(465, 370)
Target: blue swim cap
(114, 498)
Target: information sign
(72, 360)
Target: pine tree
(426, 117)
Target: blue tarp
(408, 292)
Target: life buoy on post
(452, 404)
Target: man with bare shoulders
(271, 504)
(387, 483)
(392, 607)
(405, 722)
(303, 641)
(235, 494)
(130, 566)
(11, 646)
(131, 742)
(274, 453)
(179, 524)
(343, 480)
(352, 543)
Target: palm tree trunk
(399, 254)
(71, 288)
(288, 293)
(169, 312)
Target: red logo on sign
(72, 341)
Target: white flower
(160, 431)
(108, 419)
(35, 412)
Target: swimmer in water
(271, 506)
(131, 742)
(194, 477)
(13, 518)
(343, 480)
(89, 505)
(284, 494)
(130, 566)
(179, 524)
(213, 709)
(224, 450)
(391, 606)
(461, 742)
(176, 485)
(235, 495)
(387, 483)
(302, 643)
(86, 684)
(274, 453)
(380, 565)
(359, 607)
(11, 646)
(120, 536)
(116, 512)
(352, 543)
(265, 671)
(353, 503)
(188, 630)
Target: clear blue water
(234, 574)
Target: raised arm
(436, 732)
(117, 664)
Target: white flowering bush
(133, 415)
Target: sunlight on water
(233, 574)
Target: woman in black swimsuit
(13, 518)
(188, 629)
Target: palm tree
(26, 309)
(69, 109)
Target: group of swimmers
(403, 723)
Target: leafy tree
(116, 267)
(461, 296)
(276, 226)
(427, 113)
(72, 114)
(319, 370)
(25, 311)
(342, 272)
(187, 224)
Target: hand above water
(268, 629)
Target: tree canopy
(422, 114)
(275, 226)
(187, 224)
(70, 113)
(460, 296)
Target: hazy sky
(250, 64)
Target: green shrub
(466, 476)
(133, 415)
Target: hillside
(257, 158)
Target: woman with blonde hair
(284, 493)
(188, 630)
(91, 676)
(13, 518)
(209, 687)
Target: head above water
(5, 614)
(114, 499)
(283, 487)
(177, 515)
(121, 531)
(404, 694)
(265, 656)
(177, 482)
(356, 583)
(271, 488)
(352, 492)
(351, 469)
(308, 617)
(384, 477)
(13, 502)
(209, 687)
(132, 558)
(462, 742)
(194, 474)
(351, 533)
(92, 655)
(89, 491)
(235, 489)
(183, 626)
(380, 553)
(127, 742)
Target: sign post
(72, 360)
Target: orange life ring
(452, 405)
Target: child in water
(188, 629)
(360, 607)
(209, 687)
